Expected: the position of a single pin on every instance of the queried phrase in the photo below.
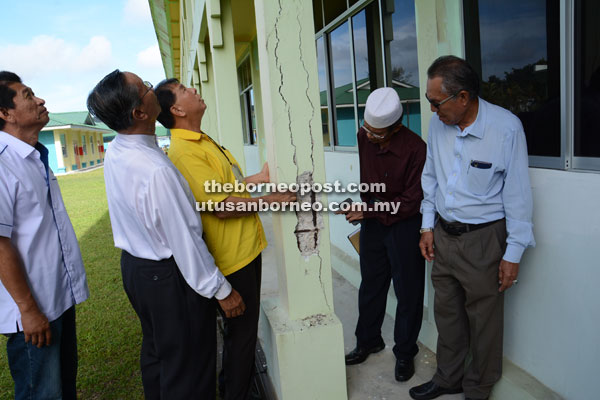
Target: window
(518, 59)
(587, 84)
(84, 143)
(353, 59)
(324, 94)
(341, 62)
(63, 145)
(247, 102)
(518, 48)
(92, 144)
(402, 68)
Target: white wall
(552, 317)
(344, 167)
(252, 160)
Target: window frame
(325, 33)
(567, 160)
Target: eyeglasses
(438, 105)
(149, 86)
(375, 135)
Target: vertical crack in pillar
(280, 89)
(310, 223)
(312, 105)
(317, 219)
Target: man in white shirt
(168, 273)
(41, 270)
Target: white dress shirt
(33, 216)
(480, 174)
(153, 212)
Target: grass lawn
(108, 331)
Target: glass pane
(342, 84)
(245, 124)
(403, 65)
(323, 91)
(520, 66)
(252, 118)
(361, 62)
(587, 80)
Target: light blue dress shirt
(33, 216)
(480, 175)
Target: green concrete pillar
(210, 123)
(224, 73)
(439, 32)
(302, 337)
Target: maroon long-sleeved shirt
(399, 166)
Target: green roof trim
(77, 118)
(345, 96)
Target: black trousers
(178, 356)
(239, 339)
(391, 253)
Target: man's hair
(456, 75)
(7, 94)
(113, 100)
(166, 99)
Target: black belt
(458, 228)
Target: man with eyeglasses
(477, 210)
(392, 154)
(168, 273)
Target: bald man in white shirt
(168, 273)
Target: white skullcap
(383, 108)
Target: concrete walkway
(373, 379)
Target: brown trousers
(469, 310)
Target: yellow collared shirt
(233, 242)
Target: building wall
(75, 137)
(552, 324)
(47, 139)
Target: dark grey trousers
(179, 345)
(469, 310)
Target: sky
(62, 48)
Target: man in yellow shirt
(234, 237)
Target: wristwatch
(423, 230)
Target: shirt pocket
(479, 177)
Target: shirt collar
(186, 134)
(144, 140)
(477, 128)
(20, 147)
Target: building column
(210, 123)
(224, 77)
(439, 32)
(302, 337)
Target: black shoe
(431, 390)
(360, 354)
(405, 369)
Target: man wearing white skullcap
(392, 154)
